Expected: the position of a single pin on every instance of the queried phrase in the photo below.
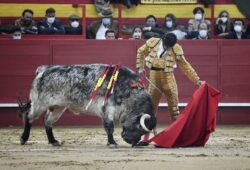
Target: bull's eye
(138, 126)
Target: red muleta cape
(195, 123)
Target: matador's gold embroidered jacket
(147, 54)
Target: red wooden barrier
(224, 64)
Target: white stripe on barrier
(10, 105)
(220, 104)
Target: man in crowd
(26, 23)
(50, 25)
(74, 25)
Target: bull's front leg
(109, 128)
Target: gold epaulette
(178, 50)
(152, 42)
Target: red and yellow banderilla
(112, 82)
(115, 78)
(98, 85)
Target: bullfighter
(161, 56)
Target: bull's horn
(142, 121)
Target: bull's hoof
(55, 143)
(112, 146)
(22, 141)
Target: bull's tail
(41, 69)
(24, 108)
(35, 84)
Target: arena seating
(133, 16)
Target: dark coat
(94, 26)
(56, 28)
(232, 35)
(73, 31)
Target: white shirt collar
(100, 34)
(160, 49)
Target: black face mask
(26, 22)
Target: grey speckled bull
(57, 88)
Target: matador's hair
(169, 39)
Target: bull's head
(142, 125)
(23, 108)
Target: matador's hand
(199, 82)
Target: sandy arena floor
(84, 148)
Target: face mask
(151, 25)
(203, 33)
(169, 24)
(75, 24)
(224, 19)
(198, 16)
(51, 20)
(106, 21)
(237, 28)
(16, 37)
(137, 35)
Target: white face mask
(198, 16)
(137, 35)
(51, 20)
(16, 37)
(106, 21)
(75, 24)
(203, 33)
(237, 28)
(224, 19)
(169, 24)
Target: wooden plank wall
(224, 64)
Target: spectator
(110, 35)
(193, 23)
(150, 30)
(223, 24)
(137, 33)
(17, 33)
(74, 25)
(26, 23)
(238, 32)
(203, 31)
(50, 25)
(170, 25)
(97, 29)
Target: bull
(60, 87)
